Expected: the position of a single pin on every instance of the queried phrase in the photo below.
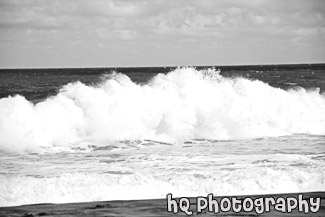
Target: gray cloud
(163, 24)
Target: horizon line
(166, 66)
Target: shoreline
(150, 207)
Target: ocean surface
(75, 135)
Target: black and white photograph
(162, 108)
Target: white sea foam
(184, 104)
(79, 187)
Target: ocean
(95, 134)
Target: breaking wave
(183, 104)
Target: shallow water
(146, 169)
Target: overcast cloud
(71, 33)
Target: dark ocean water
(38, 84)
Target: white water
(184, 104)
(151, 170)
(188, 133)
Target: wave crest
(183, 104)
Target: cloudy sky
(95, 33)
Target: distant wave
(183, 104)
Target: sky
(124, 33)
